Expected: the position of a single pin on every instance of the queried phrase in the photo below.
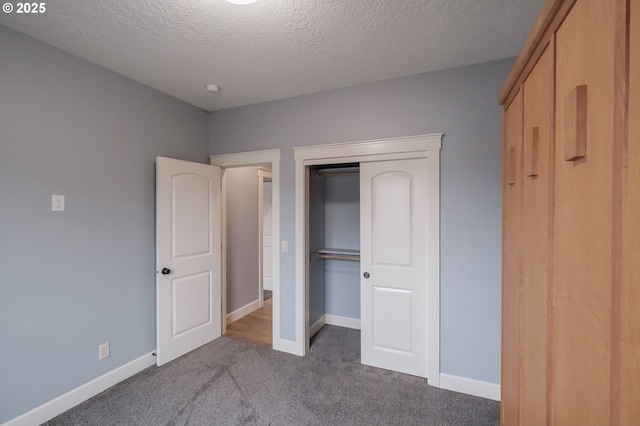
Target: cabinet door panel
(537, 237)
(630, 297)
(512, 159)
(581, 331)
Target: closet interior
(333, 228)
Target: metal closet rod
(338, 257)
(339, 254)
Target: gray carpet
(229, 382)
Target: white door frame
(421, 146)
(247, 159)
(263, 174)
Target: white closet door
(393, 237)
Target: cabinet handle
(531, 152)
(511, 167)
(575, 143)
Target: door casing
(421, 146)
(246, 159)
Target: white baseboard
(245, 310)
(59, 405)
(317, 326)
(342, 321)
(334, 320)
(288, 346)
(470, 386)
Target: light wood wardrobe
(571, 219)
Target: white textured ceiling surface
(275, 49)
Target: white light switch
(284, 246)
(57, 203)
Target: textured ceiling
(275, 49)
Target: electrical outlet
(103, 351)
(57, 203)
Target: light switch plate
(284, 246)
(57, 203)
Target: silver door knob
(366, 275)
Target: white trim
(288, 346)
(470, 386)
(223, 251)
(262, 175)
(257, 158)
(249, 158)
(346, 322)
(59, 405)
(245, 310)
(420, 146)
(433, 271)
(336, 320)
(317, 326)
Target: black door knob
(166, 271)
(366, 275)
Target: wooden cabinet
(512, 154)
(571, 219)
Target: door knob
(366, 275)
(166, 271)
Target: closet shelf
(339, 254)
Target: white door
(188, 256)
(267, 239)
(393, 245)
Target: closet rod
(338, 257)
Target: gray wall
(72, 280)
(342, 230)
(460, 102)
(243, 270)
(316, 242)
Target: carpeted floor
(229, 382)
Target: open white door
(188, 256)
(393, 261)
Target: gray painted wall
(243, 243)
(342, 230)
(72, 280)
(334, 222)
(316, 242)
(460, 102)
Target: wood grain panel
(511, 190)
(630, 292)
(537, 238)
(582, 299)
(551, 16)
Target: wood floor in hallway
(255, 327)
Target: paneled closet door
(511, 190)
(537, 237)
(584, 195)
(393, 259)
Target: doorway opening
(245, 311)
(248, 241)
(333, 228)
